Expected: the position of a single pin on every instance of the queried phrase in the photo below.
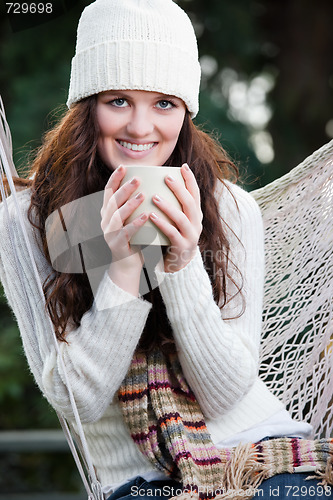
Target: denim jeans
(293, 487)
(141, 489)
(281, 486)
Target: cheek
(107, 121)
(104, 124)
(173, 129)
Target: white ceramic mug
(152, 182)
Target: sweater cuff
(110, 295)
(185, 289)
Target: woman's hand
(184, 236)
(127, 260)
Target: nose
(140, 124)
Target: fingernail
(143, 217)
(170, 178)
(134, 180)
(153, 215)
(186, 166)
(120, 168)
(139, 196)
(157, 198)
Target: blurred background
(267, 92)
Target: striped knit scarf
(166, 423)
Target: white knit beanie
(136, 45)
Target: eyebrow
(123, 93)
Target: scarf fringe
(243, 473)
(326, 478)
(243, 476)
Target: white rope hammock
(7, 168)
(297, 350)
(297, 346)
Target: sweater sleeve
(220, 356)
(97, 354)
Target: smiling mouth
(136, 147)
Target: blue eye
(163, 104)
(119, 102)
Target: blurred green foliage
(39, 473)
(22, 406)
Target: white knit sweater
(219, 357)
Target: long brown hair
(67, 167)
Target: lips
(136, 147)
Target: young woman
(166, 383)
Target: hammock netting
(297, 345)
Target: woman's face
(138, 127)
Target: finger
(126, 191)
(119, 216)
(190, 182)
(190, 207)
(182, 194)
(168, 229)
(116, 177)
(112, 185)
(117, 199)
(126, 233)
(126, 210)
(177, 216)
(181, 223)
(186, 194)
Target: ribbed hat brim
(135, 65)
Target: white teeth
(136, 147)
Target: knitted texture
(136, 45)
(159, 407)
(167, 425)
